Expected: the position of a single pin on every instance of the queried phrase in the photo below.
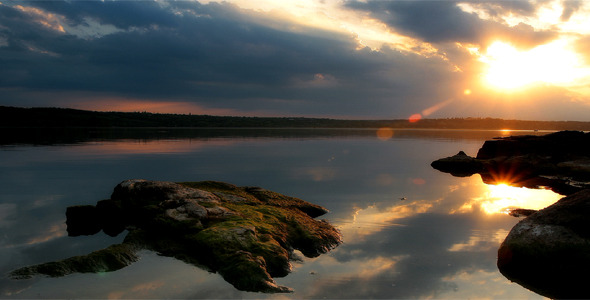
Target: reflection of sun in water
(500, 197)
(553, 63)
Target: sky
(346, 59)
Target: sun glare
(510, 68)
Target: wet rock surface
(549, 251)
(246, 234)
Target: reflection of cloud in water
(481, 240)
(329, 275)
(49, 233)
(478, 283)
(371, 220)
(414, 259)
(53, 232)
(419, 249)
(46, 200)
(7, 213)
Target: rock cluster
(559, 160)
(246, 234)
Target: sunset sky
(357, 59)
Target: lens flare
(384, 133)
(415, 118)
(418, 181)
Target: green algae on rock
(246, 234)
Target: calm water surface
(409, 231)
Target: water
(409, 231)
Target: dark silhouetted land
(64, 117)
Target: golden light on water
(502, 197)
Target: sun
(510, 68)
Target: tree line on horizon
(66, 117)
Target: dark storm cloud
(499, 8)
(444, 21)
(215, 55)
(122, 14)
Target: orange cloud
(48, 20)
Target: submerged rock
(549, 251)
(245, 234)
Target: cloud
(498, 9)
(445, 21)
(216, 55)
(583, 47)
(121, 14)
(569, 8)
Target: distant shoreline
(51, 117)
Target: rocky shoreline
(246, 234)
(549, 250)
(560, 161)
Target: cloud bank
(223, 58)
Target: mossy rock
(246, 234)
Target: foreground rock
(558, 160)
(549, 251)
(246, 234)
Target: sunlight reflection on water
(502, 197)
